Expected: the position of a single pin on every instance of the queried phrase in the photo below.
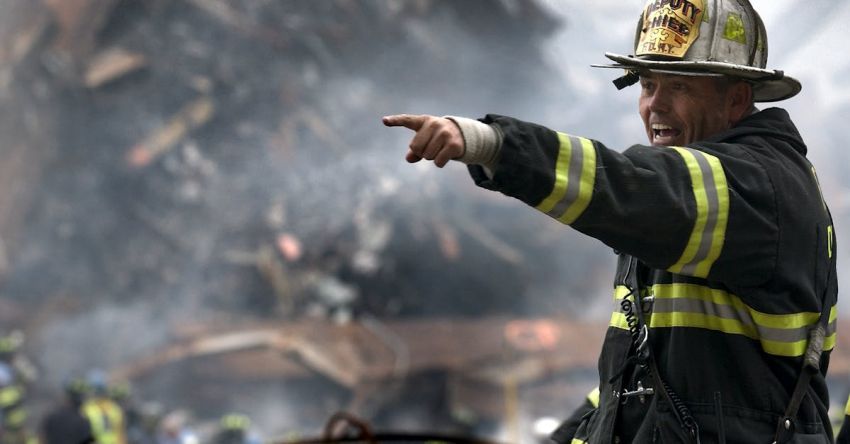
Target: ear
(739, 99)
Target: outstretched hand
(437, 138)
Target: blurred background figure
(104, 414)
(234, 428)
(10, 354)
(135, 425)
(150, 414)
(65, 424)
(174, 429)
(15, 374)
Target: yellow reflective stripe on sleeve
(593, 397)
(560, 187)
(696, 306)
(585, 183)
(711, 194)
(575, 176)
(847, 407)
(577, 441)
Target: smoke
(117, 257)
(102, 337)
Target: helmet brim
(768, 85)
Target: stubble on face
(679, 110)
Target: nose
(658, 101)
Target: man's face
(678, 110)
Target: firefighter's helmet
(704, 38)
(76, 388)
(120, 391)
(98, 382)
(234, 422)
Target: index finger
(409, 121)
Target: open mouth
(661, 131)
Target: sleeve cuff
(483, 142)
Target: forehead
(698, 85)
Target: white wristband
(483, 142)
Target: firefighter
(234, 428)
(15, 374)
(566, 431)
(174, 428)
(66, 423)
(104, 414)
(725, 288)
(121, 392)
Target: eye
(679, 86)
(647, 85)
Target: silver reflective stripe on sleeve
(711, 195)
(575, 175)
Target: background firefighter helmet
(233, 429)
(98, 383)
(234, 422)
(705, 38)
(76, 388)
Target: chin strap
(630, 78)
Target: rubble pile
(227, 153)
(222, 162)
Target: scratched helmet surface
(705, 38)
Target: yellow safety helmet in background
(119, 390)
(704, 38)
(234, 421)
(76, 388)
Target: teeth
(661, 126)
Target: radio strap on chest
(643, 353)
